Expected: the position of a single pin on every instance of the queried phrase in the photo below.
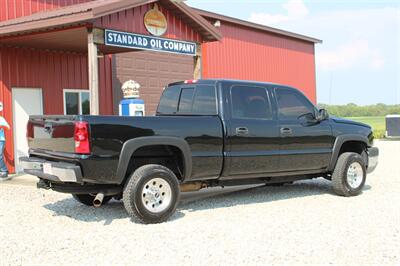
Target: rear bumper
(373, 154)
(52, 171)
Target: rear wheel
(151, 193)
(349, 176)
(87, 199)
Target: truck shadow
(206, 199)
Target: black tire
(132, 195)
(340, 181)
(87, 199)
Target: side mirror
(322, 115)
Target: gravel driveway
(299, 223)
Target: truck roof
(213, 81)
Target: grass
(376, 122)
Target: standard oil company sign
(144, 42)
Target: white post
(93, 74)
(197, 63)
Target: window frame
(79, 91)
(296, 91)
(268, 94)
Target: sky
(359, 59)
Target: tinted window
(185, 102)
(292, 104)
(169, 100)
(250, 102)
(204, 100)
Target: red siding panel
(250, 54)
(51, 71)
(131, 20)
(10, 9)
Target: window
(188, 100)
(250, 102)
(205, 101)
(185, 102)
(169, 100)
(292, 104)
(76, 102)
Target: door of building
(26, 102)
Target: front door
(26, 102)
(305, 145)
(253, 136)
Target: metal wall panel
(131, 20)
(10, 9)
(251, 54)
(51, 71)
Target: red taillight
(191, 81)
(81, 136)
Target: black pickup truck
(205, 133)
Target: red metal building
(45, 58)
(254, 52)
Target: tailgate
(52, 133)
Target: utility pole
(330, 89)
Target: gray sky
(359, 59)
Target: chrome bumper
(52, 171)
(373, 154)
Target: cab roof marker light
(191, 81)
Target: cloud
(295, 9)
(351, 54)
(352, 38)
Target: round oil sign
(155, 21)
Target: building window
(76, 102)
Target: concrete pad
(21, 180)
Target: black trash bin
(393, 126)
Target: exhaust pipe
(98, 200)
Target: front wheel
(151, 194)
(350, 174)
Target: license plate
(47, 169)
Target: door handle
(286, 131)
(242, 131)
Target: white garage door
(26, 102)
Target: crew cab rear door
(252, 141)
(304, 145)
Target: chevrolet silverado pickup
(205, 133)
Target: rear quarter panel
(204, 135)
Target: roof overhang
(256, 26)
(85, 13)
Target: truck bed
(52, 137)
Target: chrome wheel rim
(156, 195)
(355, 175)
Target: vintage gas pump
(131, 105)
